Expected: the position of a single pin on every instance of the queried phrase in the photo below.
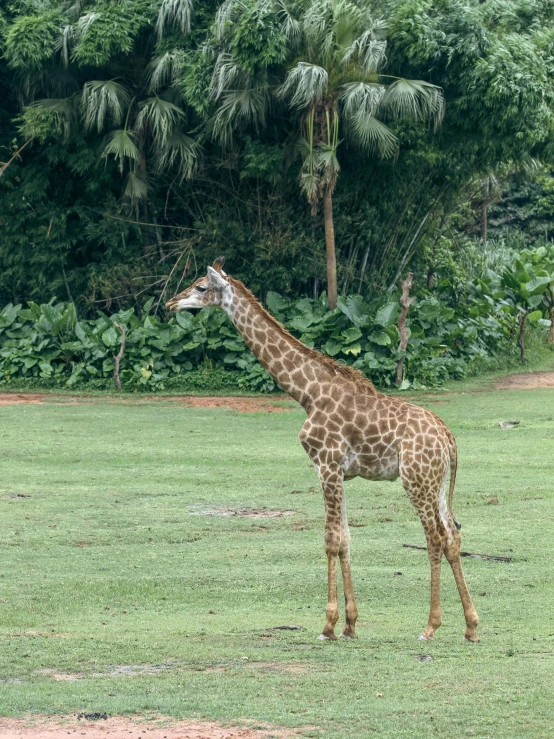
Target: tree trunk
(521, 335)
(330, 248)
(550, 308)
(145, 212)
(405, 302)
(484, 211)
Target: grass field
(122, 592)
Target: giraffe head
(205, 291)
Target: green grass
(108, 564)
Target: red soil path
(244, 405)
(128, 728)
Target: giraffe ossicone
(352, 430)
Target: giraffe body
(351, 431)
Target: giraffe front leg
(351, 611)
(331, 481)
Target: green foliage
(120, 103)
(29, 40)
(257, 39)
(101, 34)
(48, 342)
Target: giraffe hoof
(423, 637)
(472, 638)
(324, 637)
(348, 636)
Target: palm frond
(289, 24)
(367, 50)
(135, 187)
(346, 19)
(330, 24)
(159, 116)
(181, 151)
(164, 69)
(103, 98)
(361, 98)
(327, 160)
(64, 110)
(73, 11)
(227, 75)
(304, 85)
(309, 184)
(414, 99)
(372, 135)
(121, 144)
(64, 42)
(226, 13)
(239, 109)
(174, 12)
(317, 21)
(85, 22)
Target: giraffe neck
(292, 365)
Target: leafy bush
(203, 351)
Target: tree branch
(466, 554)
(405, 302)
(118, 357)
(4, 165)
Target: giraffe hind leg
(452, 553)
(442, 538)
(425, 498)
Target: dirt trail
(243, 405)
(17, 398)
(528, 381)
(116, 728)
(273, 404)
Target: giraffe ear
(216, 279)
(218, 264)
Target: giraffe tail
(453, 468)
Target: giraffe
(351, 430)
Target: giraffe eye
(201, 289)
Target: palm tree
(139, 110)
(333, 84)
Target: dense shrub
(203, 351)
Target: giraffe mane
(331, 364)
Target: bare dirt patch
(278, 404)
(243, 405)
(221, 510)
(527, 381)
(117, 727)
(19, 398)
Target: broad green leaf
(355, 308)
(380, 337)
(301, 323)
(354, 349)
(538, 285)
(276, 303)
(332, 347)
(534, 316)
(184, 319)
(9, 314)
(351, 334)
(109, 337)
(80, 332)
(386, 315)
